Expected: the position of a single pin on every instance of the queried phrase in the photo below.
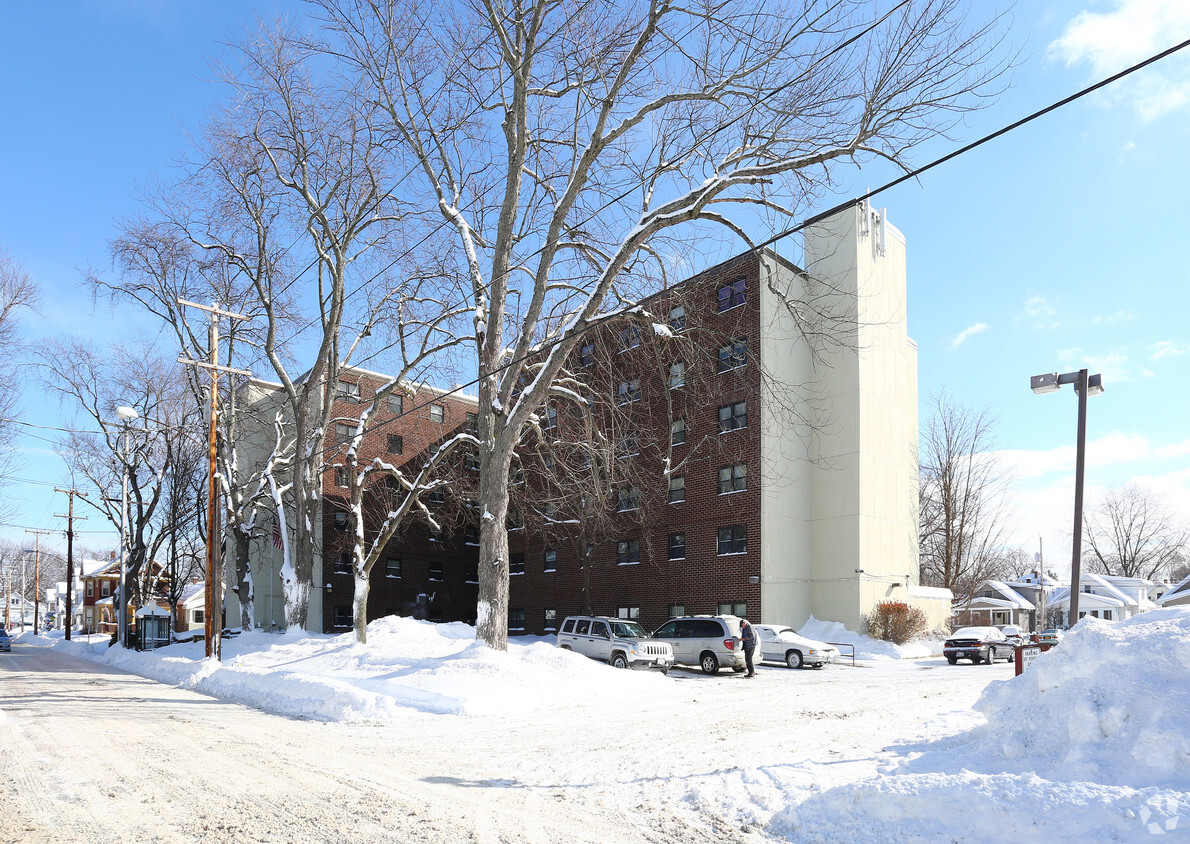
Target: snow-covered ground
(1091, 743)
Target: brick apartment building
(791, 487)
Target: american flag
(276, 536)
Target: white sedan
(783, 644)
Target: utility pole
(214, 590)
(70, 493)
(36, 574)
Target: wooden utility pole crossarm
(214, 591)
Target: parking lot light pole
(1084, 385)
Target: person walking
(748, 634)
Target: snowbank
(865, 646)
(1091, 743)
(406, 664)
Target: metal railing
(846, 645)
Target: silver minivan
(617, 641)
(708, 641)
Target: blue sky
(1055, 247)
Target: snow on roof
(152, 609)
(1181, 589)
(930, 592)
(93, 567)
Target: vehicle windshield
(628, 630)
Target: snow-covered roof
(94, 567)
(985, 603)
(1181, 589)
(938, 592)
(191, 590)
(152, 609)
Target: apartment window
(677, 546)
(627, 551)
(435, 534)
(437, 496)
(471, 536)
(629, 338)
(677, 432)
(435, 570)
(471, 422)
(739, 608)
(342, 616)
(344, 433)
(105, 588)
(340, 477)
(551, 560)
(549, 509)
(516, 619)
(547, 461)
(90, 589)
(471, 573)
(516, 562)
(677, 610)
(628, 446)
(677, 318)
(551, 418)
(516, 520)
(677, 489)
(396, 444)
(733, 478)
(733, 416)
(550, 618)
(731, 295)
(437, 413)
(628, 613)
(586, 354)
(347, 391)
(396, 404)
(392, 567)
(733, 355)
(628, 391)
(733, 540)
(343, 564)
(629, 499)
(199, 616)
(340, 520)
(471, 461)
(677, 374)
(518, 477)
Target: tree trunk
(491, 625)
(244, 580)
(359, 608)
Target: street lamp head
(1094, 385)
(127, 414)
(1045, 383)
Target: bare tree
(17, 290)
(1132, 534)
(961, 521)
(569, 146)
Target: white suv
(708, 641)
(616, 641)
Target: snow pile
(1111, 704)
(1091, 743)
(406, 665)
(865, 646)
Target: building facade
(756, 458)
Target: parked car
(616, 641)
(783, 644)
(1050, 636)
(1011, 632)
(5, 641)
(978, 644)
(708, 641)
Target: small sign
(1027, 657)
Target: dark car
(978, 644)
(5, 641)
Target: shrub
(896, 622)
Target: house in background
(1104, 596)
(1177, 595)
(192, 605)
(1021, 602)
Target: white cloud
(1115, 367)
(1133, 30)
(1181, 449)
(1114, 448)
(1163, 349)
(1037, 312)
(969, 331)
(1108, 319)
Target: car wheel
(566, 647)
(737, 669)
(619, 661)
(953, 660)
(991, 658)
(709, 663)
(794, 659)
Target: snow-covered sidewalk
(1092, 743)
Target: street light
(1084, 385)
(126, 415)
